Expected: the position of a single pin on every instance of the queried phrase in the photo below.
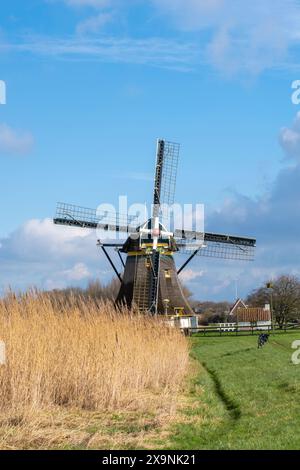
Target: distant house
(254, 317)
(250, 317)
(238, 304)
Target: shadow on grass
(231, 406)
(239, 351)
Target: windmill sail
(77, 216)
(216, 245)
(169, 172)
(165, 179)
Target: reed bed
(84, 355)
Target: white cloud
(14, 142)
(233, 36)
(243, 36)
(77, 273)
(61, 279)
(165, 53)
(192, 14)
(290, 139)
(50, 256)
(88, 3)
(94, 23)
(190, 274)
(41, 238)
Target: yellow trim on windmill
(143, 253)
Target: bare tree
(212, 312)
(97, 290)
(283, 293)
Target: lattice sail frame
(212, 249)
(169, 177)
(169, 173)
(69, 214)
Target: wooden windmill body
(138, 283)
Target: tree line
(95, 290)
(282, 294)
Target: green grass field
(241, 397)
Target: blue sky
(91, 84)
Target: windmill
(150, 277)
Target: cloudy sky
(91, 84)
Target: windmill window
(167, 273)
(179, 310)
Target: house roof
(253, 314)
(238, 303)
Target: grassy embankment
(240, 397)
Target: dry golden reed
(84, 355)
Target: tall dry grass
(84, 356)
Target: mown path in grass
(241, 397)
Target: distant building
(259, 318)
(245, 316)
(239, 303)
(187, 323)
